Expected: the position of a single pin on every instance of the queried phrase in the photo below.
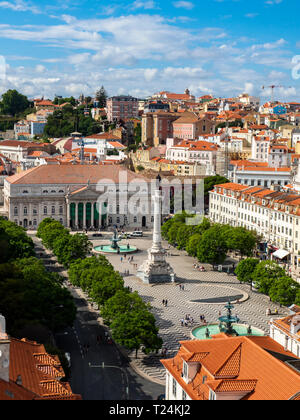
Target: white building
(274, 215)
(286, 332)
(198, 152)
(79, 196)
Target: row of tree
(29, 294)
(271, 279)
(210, 243)
(129, 318)
(65, 246)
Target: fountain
(229, 325)
(115, 248)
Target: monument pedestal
(156, 269)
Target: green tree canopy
(122, 302)
(284, 291)
(136, 329)
(212, 246)
(31, 295)
(16, 243)
(245, 270)
(13, 103)
(265, 273)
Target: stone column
(84, 215)
(157, 221)
(76, 215)
(92, 215)
(68, 214)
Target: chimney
(4, 351)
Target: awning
(281, 254)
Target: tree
(122, 302)
(211, 181)
(241, 240)
(16, 243)
(212, 247)
(13, 103)
(69, 248)
(101, 96)
(192, 245)
(135, 329)
(284, 291)
(31, 295)
(245, 270)
(104, 283)
(265, 273)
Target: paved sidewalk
(197, 286)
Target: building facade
(275, 215)
(122, 108)
(79, 197)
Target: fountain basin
(122, 249)
(199, 333)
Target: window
(53, 210)
(61, 211)
(15, 211)
(45, 210)
(25, 211)
(45, 192)
(174, 387)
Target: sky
(140, 47)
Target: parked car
(137, 234)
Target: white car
(137, 234)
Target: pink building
(191, 126)
(122, 108)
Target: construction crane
(272, 87)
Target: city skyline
(223, 48)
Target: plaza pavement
(197, 286)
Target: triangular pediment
(85, 193)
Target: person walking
(166, 303)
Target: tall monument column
(156, 269)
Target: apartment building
(122, 108)
(275, 215)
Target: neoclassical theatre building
(79, 196)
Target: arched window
(15, 211)
(25, 210)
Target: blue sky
(138, 47)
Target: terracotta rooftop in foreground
(241, 368)
(34, 375)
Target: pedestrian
(182, 287)
(182, 322)
(166, 303)
(163, 302)
(121, 259)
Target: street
(115, 380)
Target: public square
(213, 287)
